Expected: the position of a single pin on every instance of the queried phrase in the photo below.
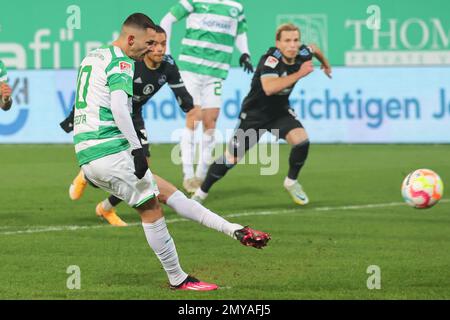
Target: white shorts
(115, 174)
(205, 90)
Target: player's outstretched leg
(194, 211)
(106, 210)
(297, 158)
(163, 245)
(78, 186)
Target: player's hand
(306, 68)
(5, 91)
(140, 163)
(246, 63)
(326, 69)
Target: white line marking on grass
(43, 229)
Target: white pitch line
(42, 229)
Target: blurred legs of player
(209, 120)
(187, 145)
(290, 129)
(206, 92)
(141, 194)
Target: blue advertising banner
(359, 105)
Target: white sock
(193, 210)
(161, 242)
(187, 147)
(107, 206)
(206, 149)
(289, 182)
(199, 193)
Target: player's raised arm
(241, 42)
(325, 65)
(175, 14)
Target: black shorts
(251, 129)
(139, 126)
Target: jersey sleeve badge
(271, 62)
(125, 67)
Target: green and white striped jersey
(3, 73)
(95, 133)
(211, 30)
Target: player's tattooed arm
(325, 65)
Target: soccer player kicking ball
(107, 146)
(5, 89)
(267, 108)
(148, 74)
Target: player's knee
(150, 205)
(193, 118)
(297, 136)
(150, 211)
(166, 192)
(209, 124)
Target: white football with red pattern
(422, 188)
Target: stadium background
(357, 218)
(390, 88)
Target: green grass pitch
(356, 218)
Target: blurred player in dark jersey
(266, 109)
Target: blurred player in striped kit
(213, 28)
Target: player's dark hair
(140, 21)
(286, 27)
(159, 29)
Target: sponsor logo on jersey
(223, 25)
(271, 62)
(125, 67)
